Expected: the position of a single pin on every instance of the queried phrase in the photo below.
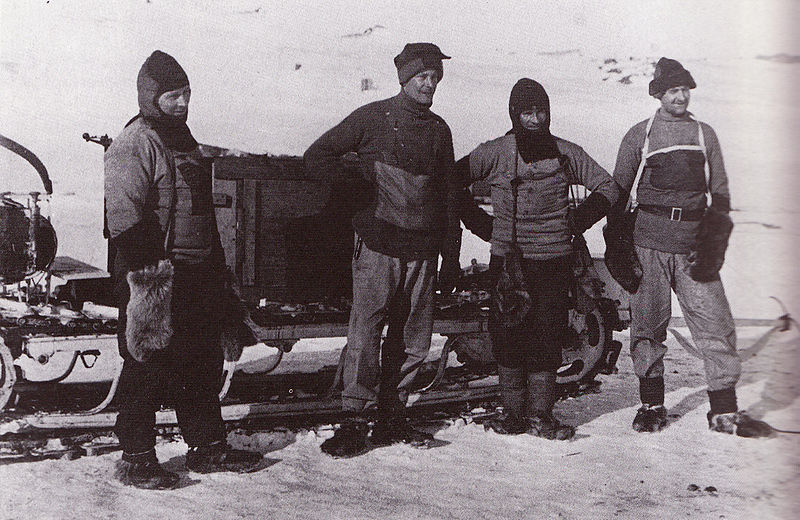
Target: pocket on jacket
(406, 200)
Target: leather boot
(143, 471)
(541, 399)
(512, 392)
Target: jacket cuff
(474, 217)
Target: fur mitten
(149, 327)
(708, 252)
(511, 298)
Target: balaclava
(528, 94)
(161, 73)
(668, 74)
(416, 57)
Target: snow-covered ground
(271, 76)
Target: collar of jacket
(666, 116)
(405, 102)
(176, 137)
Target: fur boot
(708, 253)
(149, 327)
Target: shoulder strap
(632, 203)
(706, 167)
(169, 235)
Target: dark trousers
(536, 343)
(185, 375)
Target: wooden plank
(339, 330)
(250, 230)
(485, 388)
(68, 268)
(282, 199)
(272, 260)
(226, 220)
(261, 167)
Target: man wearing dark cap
(168, 280)
(672, 165)
(406, 152)
(530, 172)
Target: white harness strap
(632, 202)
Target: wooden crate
(287, 235)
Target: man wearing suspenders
(671, 163)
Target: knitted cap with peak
(669, 74)
(160, 73)
(417, 57)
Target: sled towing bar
(32, 159)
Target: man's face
(175, 103)
(535, 119)
(421, 87)
(675, 101)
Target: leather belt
(673, 213)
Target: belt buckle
(675, 214)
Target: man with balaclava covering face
(530, 172)
(168, 281)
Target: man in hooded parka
(538, 222)
(168, 274)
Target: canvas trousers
(186, 374)
(704, 307)
(386, 290)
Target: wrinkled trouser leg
(384, 288)
(710, 322)
(651, 309)
(140, 392)
(408, 338)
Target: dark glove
(587, 213)
(708, 253)
(449, 275)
